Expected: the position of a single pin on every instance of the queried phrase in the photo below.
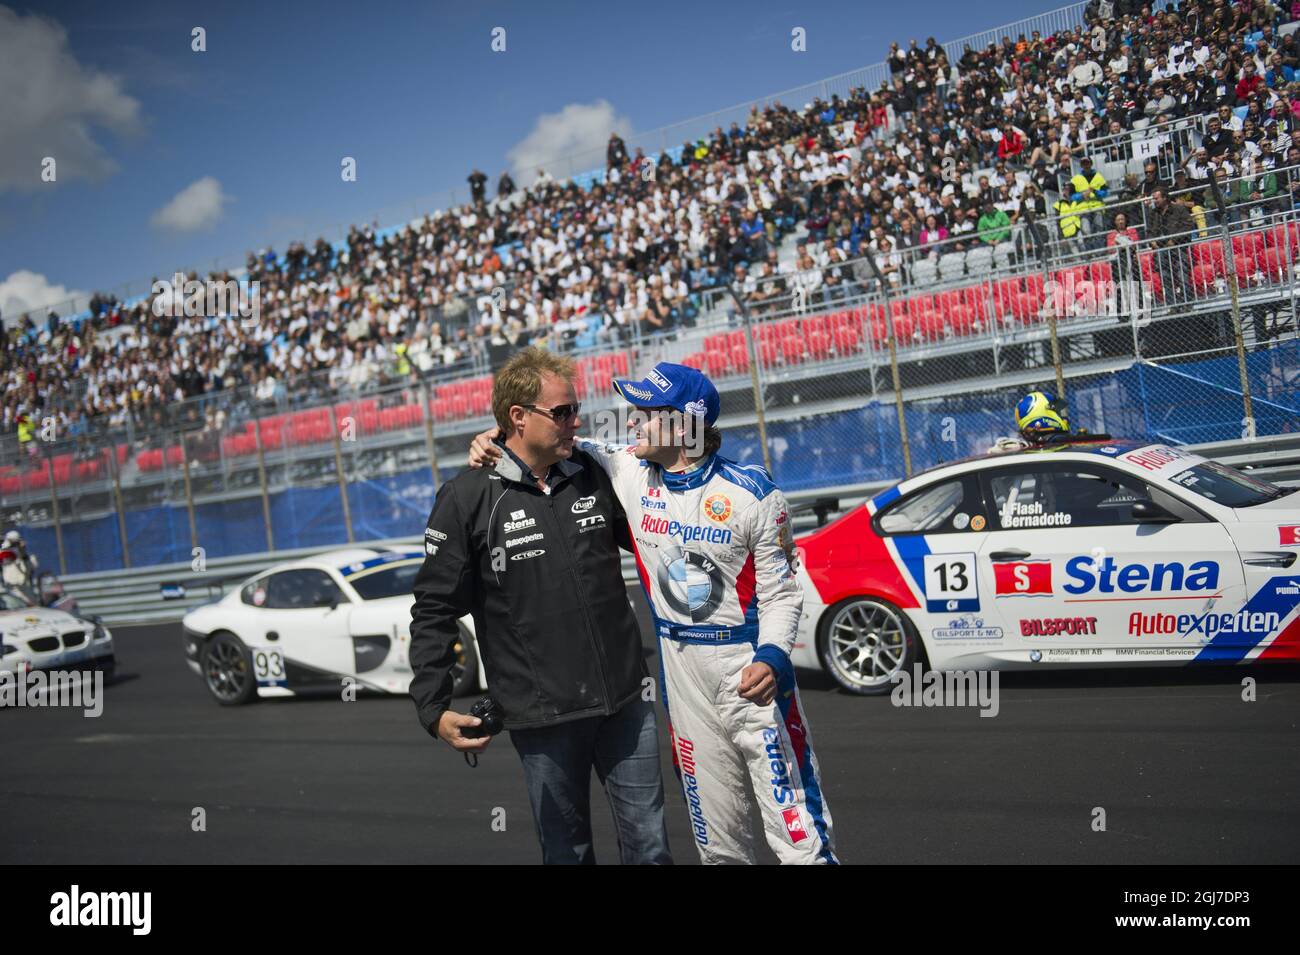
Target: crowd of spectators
(944, 157)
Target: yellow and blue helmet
(1041, 413)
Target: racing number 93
(268, 665)
(950, 583)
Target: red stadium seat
(1272, 262)
(1202, 279)
(793, 350)
(962, 320)
(717, 363)
(740, 357)
(819, 345)
(1210, 254)
(1286, 239)
(1248, 244)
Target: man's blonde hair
(519, 382)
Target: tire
(228, 670)
(465, 670)
(863, 641)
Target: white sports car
(1085, 553)
(43, 638)
(307, 624)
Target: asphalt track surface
(1185, 770)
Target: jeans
(624, 751)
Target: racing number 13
(950, 576)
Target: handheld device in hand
(490, 712)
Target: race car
(33, 637)
(308, 624)
(1084, 553)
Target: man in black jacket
(531, 549)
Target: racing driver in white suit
(715, 555)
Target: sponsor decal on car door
(1090, 573)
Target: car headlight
(6, 649)
(99, 633)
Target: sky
(169, 158)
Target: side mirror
(1148, 512)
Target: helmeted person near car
(1042, 419)
(716, 558)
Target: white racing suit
(714, 551)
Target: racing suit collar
(686, 480)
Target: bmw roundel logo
(1035, 655)
(691, 583)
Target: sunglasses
(559, 412)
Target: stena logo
(782, 791)
(519, 523)
(1086, 575)
(583, 504)
(653, 504)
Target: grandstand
(951, 217)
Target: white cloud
(580, 130)
(197, 206)
(51, 105)
(25, 291)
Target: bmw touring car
(33, 637)
(308, 624)
(1098, 553)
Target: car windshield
(1227, 486)
(394, 580)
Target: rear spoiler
(214, 587)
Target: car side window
(948, 507)
(254, 593)
(1041, 496)
(301, 589)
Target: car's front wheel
(228, 670)
(864, 642)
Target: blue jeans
(624, 751)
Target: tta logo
(717, 507)
(590, 523)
